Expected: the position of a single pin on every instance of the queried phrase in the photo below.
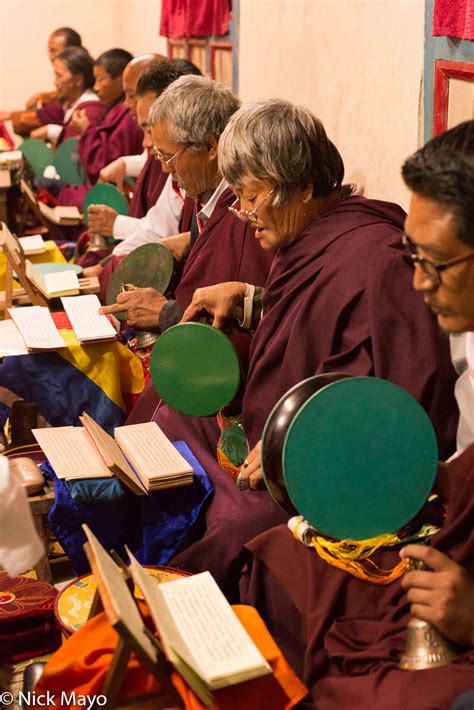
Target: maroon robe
(344, 636)
(148, 187)
(226, 250)
(340, 299)
(95, 111)
(52, 112)
(116, 135)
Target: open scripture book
(140, 455)
(39, 332)
(199, 630)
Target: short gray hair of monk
(281, 143)
(194, 108)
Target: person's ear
(211, 146)
(307, 193)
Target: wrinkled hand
(80, 121)
(219, 301)
(251, 470)
(114, 172)
(443, 595)
(102, 219)
(40, 133)
(5, 115)
(90, 271)
(178, 245)
(143, 306)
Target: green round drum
(195, 369)
(359, 458)
(66, 162)
(148, 266)
(37, 154)
(105, 195)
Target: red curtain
(453, 18)
(194, 18)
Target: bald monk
(345, 636)
(44, 108)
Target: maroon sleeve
(118, 135)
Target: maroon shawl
(95, 111)
(344, 636)
(148, 187)
(118, 134)
(52, 112)
(226, 250)
(341, 299)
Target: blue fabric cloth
(153, 526)
(61, 390)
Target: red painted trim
(225, 46)
(444, 71)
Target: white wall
(25, 26)
(356, 63)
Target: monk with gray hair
(187, 121)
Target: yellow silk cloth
(81, 663)
(112, 366)
(52, 253)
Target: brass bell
(425, 646)
(97, 242)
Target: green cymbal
(148, 266)
(37, 154)
(195, 369)
(67, 164)
(359, 458)
(105, 195)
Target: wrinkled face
(275, 226)
(56, 44)
(107, 89)
(68, 86)
(144, 104)
(194, 171)
(432, 229)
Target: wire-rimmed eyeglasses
(167, 161)
(246, 215)
(433, 271)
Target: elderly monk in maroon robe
(186, 141)
(74, 80)
(330, 304)
(45, 107)
(345, 636)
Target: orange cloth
(81, 663)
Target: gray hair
(194, 108)
(283, 144)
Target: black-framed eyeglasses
(433, 271)
(246, 215)
(167, 161)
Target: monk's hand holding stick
(179, 245)
(143, 306)
(220, 301)
(102, 219)
(442, 595)
(251, 474)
